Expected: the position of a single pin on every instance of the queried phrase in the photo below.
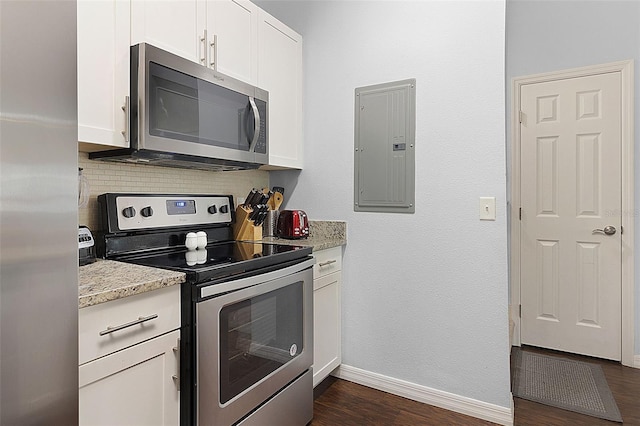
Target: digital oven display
(181, 207)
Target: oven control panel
(130, 212)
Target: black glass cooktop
(220, 259)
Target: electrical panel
(385, 128)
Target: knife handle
(247, 201)
(255, 199)
(261, 217)
(255, 216)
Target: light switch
(487, 208)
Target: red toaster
(293, 224)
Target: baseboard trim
(438, 398)
(636, 361)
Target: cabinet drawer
(327, 261)
(142, 317)
(137, 385)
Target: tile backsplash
(116, 177)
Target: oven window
(257, 336)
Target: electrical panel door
(385, 147)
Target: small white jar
(202, 239)
(191, 241)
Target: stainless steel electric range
(246, 338)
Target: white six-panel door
(570, 189)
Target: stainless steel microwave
(182, 114)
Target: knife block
(244, 228)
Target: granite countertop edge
(108, 280)
(315, 243)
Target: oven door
(252, 342)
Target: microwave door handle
(256, 124)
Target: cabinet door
(173, 25)
(234, 24)
(103, 72)
(326, 325)
(280, 73)
(134, 386)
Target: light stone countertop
(322, 235)
(106, 280)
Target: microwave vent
(164, 159)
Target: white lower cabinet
(327, 281)
(134, 386)
(129, 350)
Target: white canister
(191, 241)
(202, 239)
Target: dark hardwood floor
(339, 402)
(348, 404)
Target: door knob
(608, 230)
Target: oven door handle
(226, 287)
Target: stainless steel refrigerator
(38, 213)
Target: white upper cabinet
(103, 72)
(234, 37)
(176, 26)
(280, 73)
(232, 30)
(220, 34)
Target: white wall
(425, 294)
(553, 35)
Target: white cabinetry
(220, 34)
(280, 73)
(327, 280)
(133, 386)
(234, 37)
(172, 25)
(232, 26)
(103, 72)
(131, 376)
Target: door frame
(628, 213)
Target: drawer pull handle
(327, 263)
(140, 320)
